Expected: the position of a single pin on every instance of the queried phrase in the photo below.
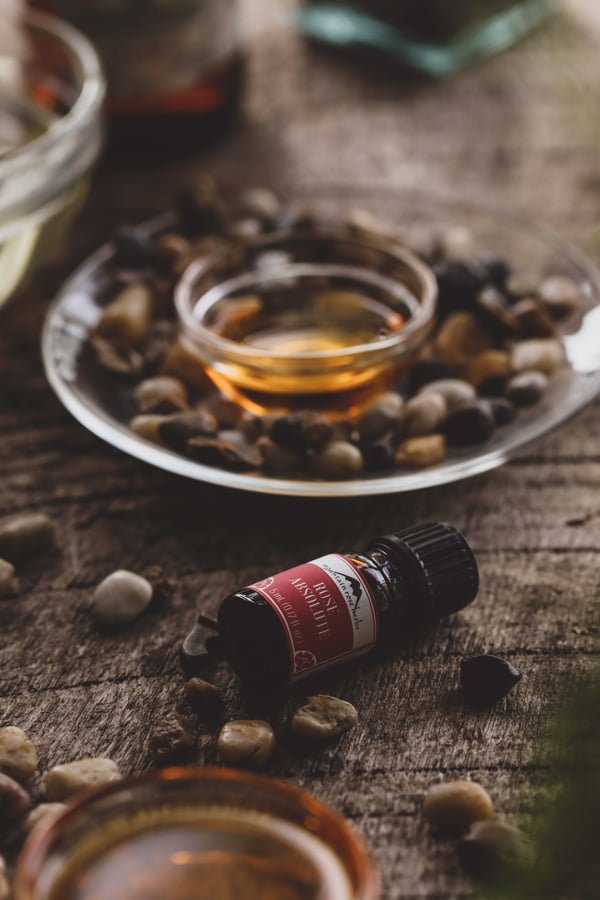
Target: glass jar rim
(416, 325)
(87, 103)
(39, 841)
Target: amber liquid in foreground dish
(204, 855)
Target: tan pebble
(544, 355)
(559, 294)
(18, 757)
(454, 805)
(128, 317)
(147, 427)
(424, 414)
(487, 364)
(184, 363)
(337, 460)
(161, 395)
(367, 224)
(491, 848)
(116, 358)
(246, 742)
(172, 737)
(69, 778)
(203, 696)
(455, 392)
(321, 718)
(457, 242)
(14, 801)
(420, 452)
(460, 338)
(120, 598)
(277, 459)
(380, 416)
(7, 575)
(43, 811)
(26, 535)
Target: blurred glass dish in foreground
(51, 93)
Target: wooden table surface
(520, 132)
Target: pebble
(424, 414)
(459, 283)
(260, 203)
(491, 848)
(127, 319)
(493, 386)
(486, 365)
(148, 427)
(158, 343)
(203, 696)
(227, 413)
(460, 338)
(494, 309)
(182, 362)
(321, 718)
(543, 354)
(5, 889)
(502, 410)
(378, 455)
(162, 395)
(7, 575)
(233, 455)
(120, 598)
(381, 416)
(454, 391)
(116, 358)
(523, 284)
(14, 801)
(559, 294)
(277, 459)
(337, 460)
(472, 424)
(172, 738)
(424, 371)
(498, 270)
(177, 430)
(526, 388)
(301, 431)
(457, 242)
(454, 805)
(18, 757)
(247, 742)
(26, 535)
(486, 679)
(531, 319)
(42, 812)
(83, 774)
(419, 452)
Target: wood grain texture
(512, 133)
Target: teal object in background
(440, 53)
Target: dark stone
(493, 309)
(498, 270)
(177, 430)
(172, 738)
(235, 457)
(471, 424)
(133, 249)
(486, 679)
(532, 321)
(377, 456)
(527, 388)
(493, 385)
(424, 371)
(301, 431)
(502, 410)
(458, 284)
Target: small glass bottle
(340, 606)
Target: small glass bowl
(51, 94)
(195, 833)
(318, 318)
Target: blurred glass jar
(51, 95)
(438, 37)
(173, 67)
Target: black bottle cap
(437, 565)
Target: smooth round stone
(148, 427)
(184, 363)
(120, 599)
(246, 742)
(526, 388)
(277, 459)
(424, 414)
(337, 460)
(381, 416)
(560, 295)
(420, 452)
(503, 411)
(457, 242)
(18, 757)
(180, 428)
(128, 317)
(487, 365)
(82, 774)
(43, 811)
(117, 358)
(470, 424)
(531, 319)
(7, 575)
(26, 535)
(162, 395)
(301, 431)
(455, 392)
(454, 805)
(203, 696)
(491, 847)
(460, 338)
(14, 801)
(321, 718)
(377, 456)
(544, 355)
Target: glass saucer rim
(111, 431)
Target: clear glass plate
(76, 311)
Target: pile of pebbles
(495, 346)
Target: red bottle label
(327, 610)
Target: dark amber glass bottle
(337, 607)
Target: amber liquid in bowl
(219, 854)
